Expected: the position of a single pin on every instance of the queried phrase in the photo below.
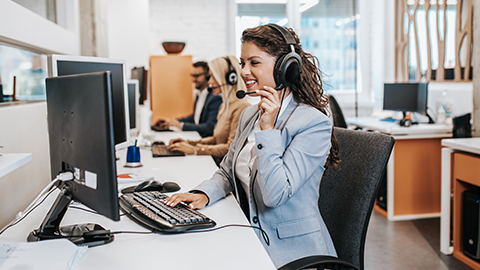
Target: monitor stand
(88, 234)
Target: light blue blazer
(284, 182)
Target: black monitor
(405, 97)
(138, 73)
(81, 136)
(133, 107)
(60, 65)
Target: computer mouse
(149, 185)
(170, 187)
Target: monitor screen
(60, 65)
(133, 107)
(81, 137)
(406, 97)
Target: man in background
(205, 112)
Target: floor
(411, 245)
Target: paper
(49, 254)
(131, 178)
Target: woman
(228, 114)
(283, 145)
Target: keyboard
(159, 149)
(160, 128)
(148, 209)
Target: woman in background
(223, 80)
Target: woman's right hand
(194, 200)
(177, 140)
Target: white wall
(22, 27)
(203, 24)
(128, 32)
(23, 129)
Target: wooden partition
(171, 90)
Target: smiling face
(257, 67)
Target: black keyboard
(159, 149)
(147, 208)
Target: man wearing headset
(205, 112)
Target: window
(25, 70)
(44, 8)
(328, 31)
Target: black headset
(288, 66)
(231, 75)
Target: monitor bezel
(134, 131)
(53, 72)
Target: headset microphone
(241, 94)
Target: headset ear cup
(231, 77)
(277, 73)
(287, 70)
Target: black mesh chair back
(347, 197)
(337, 114)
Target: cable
(87, 210)
(15, 222)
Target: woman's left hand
(268, 106)
(183, 147)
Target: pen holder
(133, 157)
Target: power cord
(16, 221)
(65, 176)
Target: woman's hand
(195, 200)
(182, 147)
(177, 140)
(268, 107)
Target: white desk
(10, 162)
(470, 147)
(229, 248)
(413, 170)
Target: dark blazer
(208, 117)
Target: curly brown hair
(308, 88)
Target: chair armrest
(318, 261)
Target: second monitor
(405, 97)
(60, 65)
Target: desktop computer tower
(382, 192)
(470, 223)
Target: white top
(470, 145)
(247, 156)
(202, 96)
(10, 162)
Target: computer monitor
(133, 107)
(59, 65)
(138, 73)
(80, 128)
(405, 97)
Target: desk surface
(228, 248)
(395, 129)
(11, 162)
(471, 145)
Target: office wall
(203, 24)
(21, 27)
(128, 31)
(23, 129)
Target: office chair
(347, 197)
(338, 118)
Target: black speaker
(1, 93)
(470, 222)
(462, 127)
